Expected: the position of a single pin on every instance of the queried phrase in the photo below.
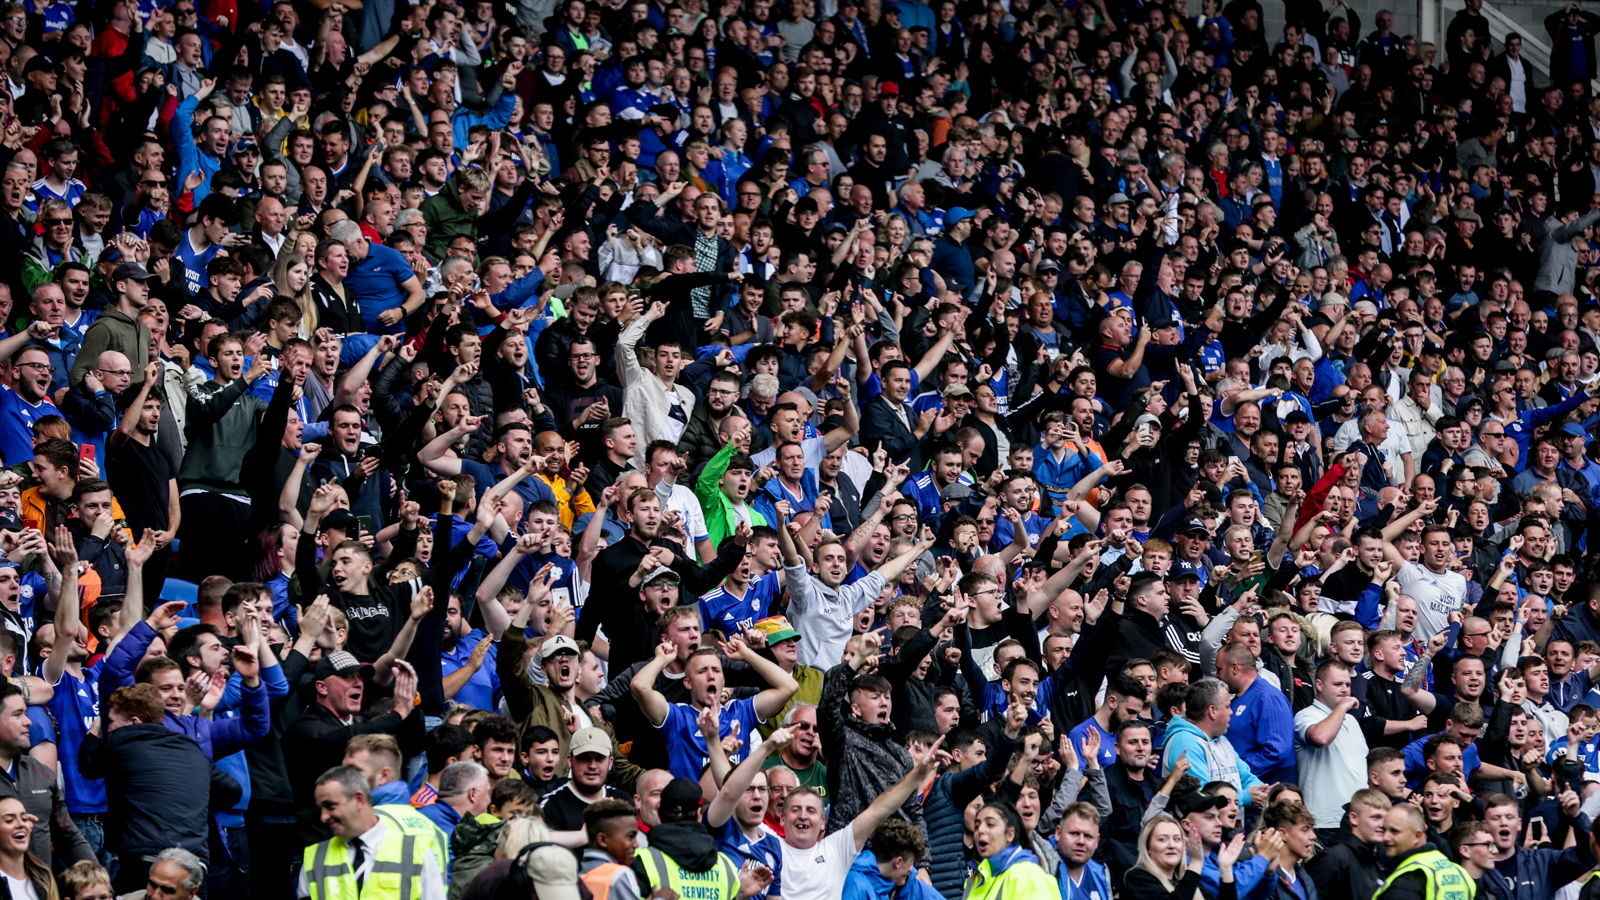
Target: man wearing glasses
(27, 399)
(53, 247)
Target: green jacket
(721, 518)
(447, 220)
(113, 330)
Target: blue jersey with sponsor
(765, 850)
(725, 611)
(686, 746)
(75, 706)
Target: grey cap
(133, 270)
(1118, 197)
(1467, 215)
(1350, 133)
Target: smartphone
(364, 523)
(85, 453)
(1233, 461)
(1144, 430)
(32, 524)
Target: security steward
(682, 855)
(1420, 872)
(375, 853)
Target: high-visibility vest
(414, 823)
(396, 867)
(598, 879)
(720, 882)
(1444, 879)
(1020, 881)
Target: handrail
(1535, 49)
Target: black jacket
(1349, 869)
(619, 609)
(317, 740)
(156, 796)
(689, 844)
(35, 785)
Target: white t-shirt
(681, 498)
(1332, 773)
(23, 889)
(1437, 596)
(819, 873)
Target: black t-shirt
(141, 477)
(563, 808)
(1382, 699)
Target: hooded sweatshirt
(1210, 759)
(689, 844)
(866, 882)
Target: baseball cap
(660, 573)
(1147, 419)
(957, 390)
(1574, 429)
(244, 146)
(553, 871)
(1190, 804)
(127, 270)
(10, 521)
(776, 628)
(888, 87)
(1047, 265)
(558, 644)
(956, 491)
(341, 520)
(590, 740)
(340, 663)
(1182, 569)
(1118, 197)
(1296, 418)
(956, 214)
(1192, 526)
(680, 800)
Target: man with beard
(1077, 839)
(699, 441)
(513, 446)
(1125, 701)
(144, 477)
(468, 663)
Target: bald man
(270, 222)
(1414, 861)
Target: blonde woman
(291, 275)
(1170, 859)
(27, 877)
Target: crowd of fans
(796, 450)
